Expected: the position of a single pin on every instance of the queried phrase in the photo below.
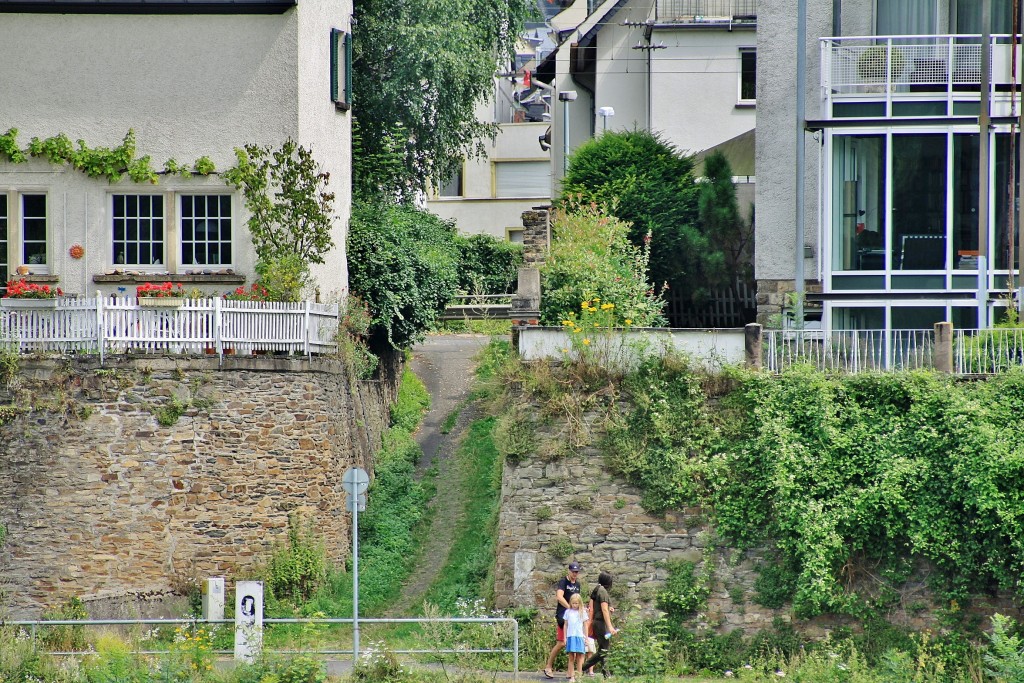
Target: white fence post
(218, 340)
(308, 352)
(99, 323)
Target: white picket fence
(120, 325)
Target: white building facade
(191, 81)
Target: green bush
(684, 593)
(403, 262)
(297, 568)
(1004, 659)
(488, 265)
(590, 256)
(639, 651)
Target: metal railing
(123, 325)
(478, 307)
(864, 65)
(985, 352)
(706, 11)
(848, 350)
(34, 627)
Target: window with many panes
(4, 273)
(138, 221)
(33, 231)
(205, 229)
(748, 74)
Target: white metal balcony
(907, 67)
(700, 12)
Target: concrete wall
(776, 132)
(696, 79)
(189, 86)
(710, 348)
(101, 501)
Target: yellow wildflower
(597, 298)
(592, 309)
(585, 305)
(607, 307)
(629, 321)
(586, 342)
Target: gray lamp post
(606, 113)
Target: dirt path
(445, 365)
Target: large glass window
(906, 17)
(138, 228)
(965, 201)
(748, 74)
(967, 17)
(859, 202)
(918, 202)
(206, 229)
(33, 231)
(1005, 202)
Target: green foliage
(419, 70)
(9, 147)
(403, 262)
(561, 547)
(639, 651)
(685, 592)
(515, 435)
(644, 181)
(353, 328)
(468, 571)
(1004, 660)
(412, 403)
(284, 276)
(3, 535)
(169, 412)
(731, 238)
(297, 568)
(65, 638)
(775, 585)
(590, 256)
(488, 265)
(285, 191)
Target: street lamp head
(606, 111)
(568, 96)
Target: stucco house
(684, 68)
(191, 80)
(910, 164)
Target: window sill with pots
(226, 276)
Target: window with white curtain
(906, 17)
(522, 179)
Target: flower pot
(161, 301)
(23, 270)
(28, 304)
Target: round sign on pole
(355, 481)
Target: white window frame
(37, 268)
(5, 240)
(232, 245)
(739, 77)
(164, 264)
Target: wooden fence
(122, 325)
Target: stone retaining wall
(103, 502)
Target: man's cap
(574, 566)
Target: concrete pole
(801, 78)
(752, 345)
(984, 123)
(943, 353)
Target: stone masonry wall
(550, 505)
(102, 502)
(536, 237)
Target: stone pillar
(752, 341)
(525, 308)
(943, 354)
(536, 236)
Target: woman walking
(601, 611)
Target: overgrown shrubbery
(403, 262)
(591, 256)
(488, 265)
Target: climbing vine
(111, 163)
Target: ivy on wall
(111, 163)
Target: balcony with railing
(916, 68)
(706, 12)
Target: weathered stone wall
(101, 501)
(551, 504)
(536, 237)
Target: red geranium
(164, 290)
(21, 289)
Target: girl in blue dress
(576, 618)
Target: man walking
(564, 589)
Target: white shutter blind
(523, 179)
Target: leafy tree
(290, 207)
(643, 180)
(419, 69)
(403, 262)
(730, 236)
